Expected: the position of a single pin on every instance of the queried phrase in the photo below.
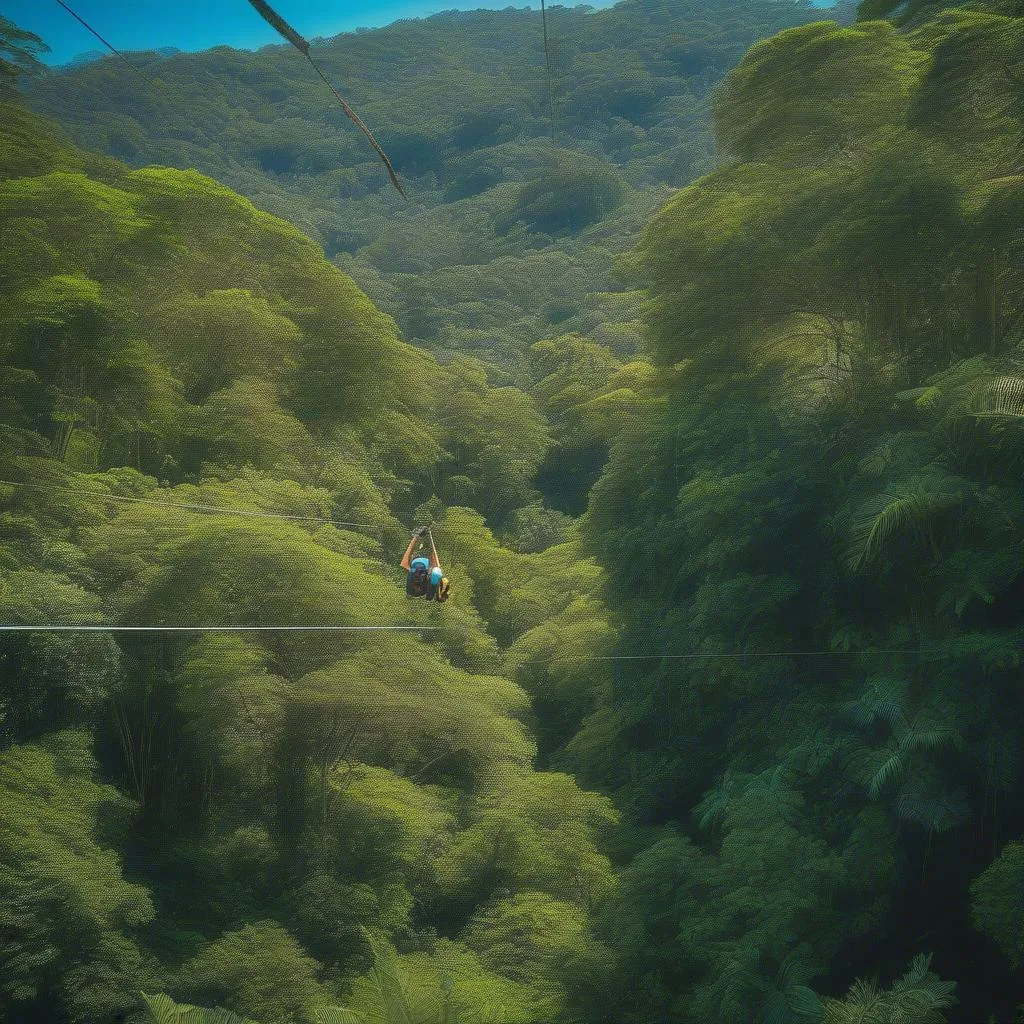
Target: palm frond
(935, 738)
(900, 513)
(890, 770)
(919, 997)
(803, 1004)
(797, 968)
(715, 802)
(933, 728)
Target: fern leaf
(162, 1008)
(338, 1015)
(879, 521)
(165, 1010)
(884, 698)
(864, 1004)
(921, 995)
(201, 1015)
(933, 738)
(1001, 397)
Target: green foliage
(449, 985)
(68, 912)
(49, 681)
(164, 1010)
(510, 232)
(806, 535)
(899, 519)
(782, 639)
(996, 906)
(534, 528)
(533, 832)
(18, 50)
(182, 368)
(529, 938)
(224, 335)
(575, 193)
(259, 971)
(919, 997)
(181, 365)
(790, 97)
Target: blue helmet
(420, 563)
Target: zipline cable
(547, 61)
(188, 506)
(569, 659)
(214, 629)
(731, 655)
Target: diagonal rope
(272, 18)
(111, 48)
(358, 122)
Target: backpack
(443, 589)
(416, 584)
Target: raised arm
(406, 562)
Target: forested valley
(708, 367)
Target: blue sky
(199, 24)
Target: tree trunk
(927, 852)
(985, 329)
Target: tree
(212, 340)
(995, 907)
(18, 49)
(259, 971)
(529, 938)
(67, 910)
(573, 194)
(49, 680)
(816, 90)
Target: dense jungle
(700, 339)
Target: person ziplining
(425, 576)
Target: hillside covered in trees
(514, 215)
(836, 317)
(737, 740)
(220, 816)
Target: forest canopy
(255, 821)
(715, 399)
